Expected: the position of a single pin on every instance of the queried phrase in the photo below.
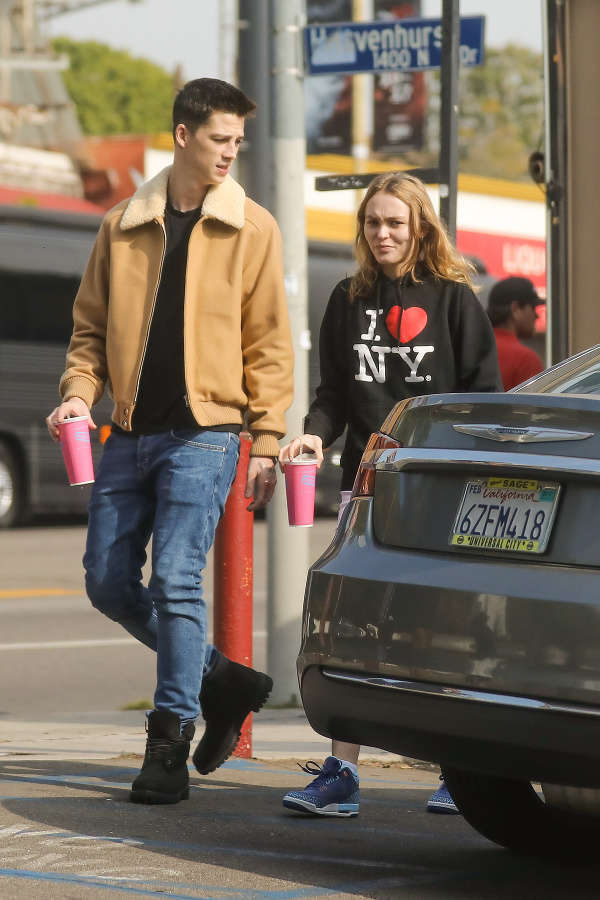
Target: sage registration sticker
(522, 484)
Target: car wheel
(511, 814)
(11, 491)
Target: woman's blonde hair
(431, 249)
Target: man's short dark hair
(503, 294)
(199, 99)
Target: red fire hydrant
(233, 553)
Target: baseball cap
(504, 292)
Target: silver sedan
(456, 616)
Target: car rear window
(587, 382)
(578, 375)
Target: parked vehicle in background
(42, 256)
(456, 616)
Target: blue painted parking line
(243, 765)
(240, 765)
(212, 892)
(213, 849)
(79, 780)
(289, 819)
(145, 889)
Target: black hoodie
(407, 339)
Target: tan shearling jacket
(238, 352)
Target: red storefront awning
(43, 200)
(505, 255)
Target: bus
(43, 254)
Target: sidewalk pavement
(276, 734)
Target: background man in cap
(512, 312)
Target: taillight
(364, 483)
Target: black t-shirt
(162, 395)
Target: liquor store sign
(398, 45)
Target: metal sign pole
(558, 337)
(449, 114)
(288, 549)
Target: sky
(186, 32)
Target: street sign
(398, 45)
(344, 182)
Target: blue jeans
(172, 486)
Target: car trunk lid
(534, 458)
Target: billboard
(328, 98)
(400, 98)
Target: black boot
(164, 777)
(227, 696)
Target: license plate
(513, 514)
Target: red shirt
(517, 362)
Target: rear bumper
(519, 627)
(505, 736)
(505, 656)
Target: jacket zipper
(164, 251)
(186, 396)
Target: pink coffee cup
(300, 477)
(74, 436)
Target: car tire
(11, 489)
(511, 813)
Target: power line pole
(288, 549)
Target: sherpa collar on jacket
(224, 202)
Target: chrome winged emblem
(532, 435)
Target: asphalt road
(68, 832)
(58, 654)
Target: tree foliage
(113, 92)
(501, 113)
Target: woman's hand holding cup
(310, 442)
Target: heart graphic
(408, 323)
(392, 320)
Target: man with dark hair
(182, 312)
(198, 99)
(512, 311)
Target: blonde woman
(406, 324)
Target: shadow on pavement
(71, 824)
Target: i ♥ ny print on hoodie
(408, 338)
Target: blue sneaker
(334, 792)
(442, 802)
